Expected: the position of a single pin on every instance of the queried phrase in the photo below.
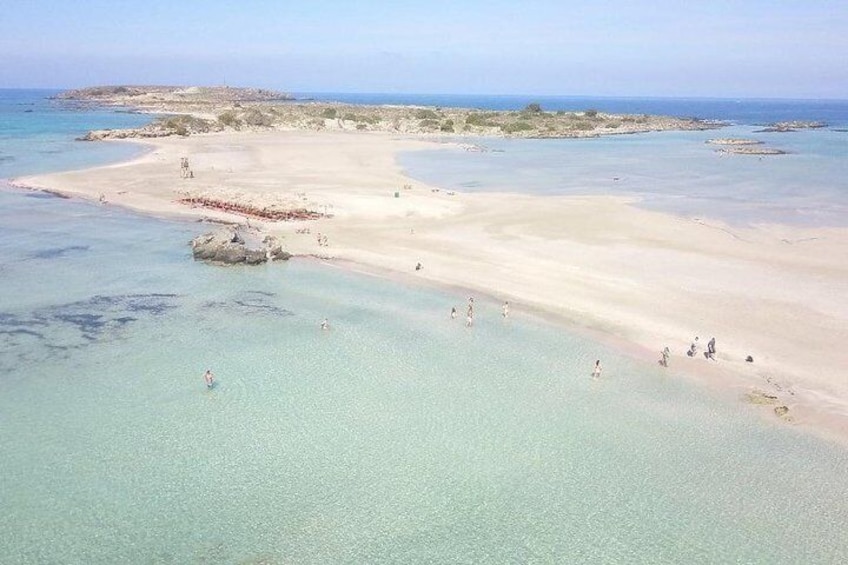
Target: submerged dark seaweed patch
(260, 293)
(250, 302)
(58, 251)
(22, 332)
(8, 320)
(78, 324)
(88, 324)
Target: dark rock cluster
(235, 246)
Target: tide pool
(398, 436)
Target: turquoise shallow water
(398, 436)
(674, 172)
(37, 134)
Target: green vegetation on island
(191, 110)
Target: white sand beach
(641, 279)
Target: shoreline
(514, 247)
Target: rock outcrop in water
(237, 246)
(794, 125)
(751, 150)
(732, 141)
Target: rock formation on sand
(233, 246)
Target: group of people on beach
(665, 354)
(185, 170)
(708, 354)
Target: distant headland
(191, 110)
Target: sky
(682, 48)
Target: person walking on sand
(596, 371)
(209, 378)
(710, 354)
(665, 355)
(505, 310)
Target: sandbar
(639, 279)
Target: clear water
(38, 134)
(398, 436)
(674, 172)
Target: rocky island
(733, 141)
(750, 150)
(191, 110)
(743, 146)
(794, 125)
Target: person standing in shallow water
(209, 378)
(665, 355)
(596, 371)
(505, 309)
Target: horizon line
(475, 94)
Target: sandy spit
(640, 279)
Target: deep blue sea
(398, 436)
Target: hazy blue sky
(721, 48)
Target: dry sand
(640, 279)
